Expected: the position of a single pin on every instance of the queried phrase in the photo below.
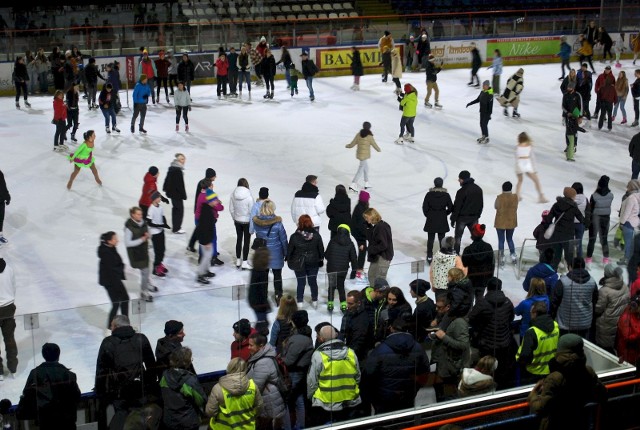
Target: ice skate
(314, 304)
(624, 121)
(186, 128)
(330, 307)
(501, 261)
(515, 114)
(271, 96)
(177, 127)
(73, 137)
(352, 88)
(238, 262)
(399, 141)
(3, 240)
(505, 112)
(107, 130)
(634, 124)
(438, 105)
(542, 199)
(618, 65)
(202, 279)
(116, 129)
(266, 96)
(406, 136)
(163, 268)
(410, 139)
(246, 265)
(146, 296)
(367, 186)
(312, 98)
(142, 130)
(397, 91)
(168, 100)
(427, 104)
(514, 258)
(353, 187)
(17, 105)
(133, 129)
(158, 272)
(27, 104)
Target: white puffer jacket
(240, 205)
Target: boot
(142, 130)
(427, 104)
(116, 129)
(438, 105)
(73, 137)
(177, 127)
(514, 258)
(634, 124)
(108, 130)
(624, 120)
(17, 105)
(343, 307)
(271, 95)
(202, 279)
(399, 141)
(505, 112)
(330, 307)
(515, 114)
(157, 271)
(186, 128)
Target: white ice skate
(409, 139)
(353, 187)
(367, 186)
(399, 141)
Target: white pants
(363, 169)
(144, 279)
(205, 259)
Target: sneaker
(116, 129)
(246, 265)
(330, 307)
(177, 127)
(202, 279)
(215, 261)
(427, 104)
(3, 240)
(158, 272)
(181, 231)
(146, 296)
(314, 304)
(399, 141)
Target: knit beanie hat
(407, 88)
(346, 227)
(211, 195)
(478, 230)
(153, 170)
(364, 196)
(464, 175)
(172, 327)
(571, 343)
(438, 182)
(242, 327)
(569, 193)
(487, 83)
(381, 284)
(263, 193)
(611, 271)
(300, 318)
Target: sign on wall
(341, 58)
(525, 48)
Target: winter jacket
(232, 58)
(474, 383)
(222, 67)
(613, 298)
(298, 349)
(585, 83)
(268, 66)
(586, 48)
(635, 87)
(20, 73)
(236, 384)
(357, 331)
(258, 297)
(565, 51)
(141, 93)
(439, 269)
(476, 60)
(240, 348)
(424, 46)
(91, 73)
(113, 77)
(277, 243)
(137, 249)
(388, 315)
(524, 310)
(564, 226)
(604, 38)
(358, 224)
(356, 64)
(436, 207)
(262, 369)
(479, 260)
(485, 100)
(542, 271)
(396, 64)
(530, 339)
(514, 87)
(182, 98)
(628, 336)
(570, 102)
(340, 252)
(111, 271)
(183, 399)
(565, 83)
(506, 206)
(52, 390)
(240, 205)
(452, 353)
(583, 206)
(565, 392)
(174, 182)
(165, 346)
(148, 67)
(307, 244)
(574, 299)
(162, 67)
(59, 110)
(380, 242)
(106, 99)
(468, 202)
(634, 146)
(600, 204)
(496, 65)
(392, 371)
(186, 71)
(307, 201)
(124, 358)
(629, 210)
(409, 104)
(206, 225)
(309, 68)
(364, 144)
(491, 319)
(423, 315)
(255, 57)
(285, 60)
(385, 44)
(605, 88)
(339, 211)
(432, 71)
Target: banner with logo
(340, 58)
(456, 52)
(525, 48)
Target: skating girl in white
(525, 164)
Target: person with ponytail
(111, 274)
(83, 158)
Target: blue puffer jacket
(524, 310)
(565, 51)
(276, 241)
(542, 271)
(141, 93)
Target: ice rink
(54, 233)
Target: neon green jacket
(83, 157)
(409, 104)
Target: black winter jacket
(392, 370)
(111, 269)
(469, 201)
(339, 211)
(309, 68)
(258, 293)
(92, 74)
(358, 224)
(206, 225)
(20, 73)
(268, 67)
(564, 229)
(356, 64)
(340, 252)
(380, 242)
(298, 350)
(424, 313)
(436, 207)
(432, 71)
(634, 152)
(309, 244)
(478, 259)
(357, 332)
(6, 197)
(491, 320)
(164, 347)
(485, 99)
(174, 184)
(476, 60)
(186, 71)
(461, 296)
(184, 399)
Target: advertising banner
(525, 48)
(455, 52)
(341, 58)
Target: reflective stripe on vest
(238, 412)
(546, 350)
(337, 381)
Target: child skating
(294, 80)
(409, 104)
(364, 140)
(59, 120)
(157, 223)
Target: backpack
(283, 382)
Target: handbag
(261, 242)
(549, 231)
(298, 263)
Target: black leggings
(21, 87)
(430, 239)
(173, 79)
(607, 50)
(242, 246)
(119, 299)
(599, 226)
(158, 248)
(184, 110)
(222, 85)
(72, 120)
(408, 122)
(268, 80)
(61, 130)
(277, 281)
(362, 254)
(336, 280)
(397, 82)
(162, 81)
(1, 215)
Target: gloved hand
(353, 274)
(164, 200)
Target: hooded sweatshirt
(474, 382)
(236, 384)
(183, 398)
(240, 205)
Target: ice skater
(396, 70)
(364, 140)
(73, 111)
(525, 165)
(136, 237)
(59, 120)
(157, 223)
(432, 78)
(485, 98)
(511, 95)
(83, 158)
(107, 101)
(268, 68)
(476, 63)
(409, 104)
(309, 69)
(141, 93)
(182, 101)
(20, 78)
(619, 48)
(111, 275)
(356, 68)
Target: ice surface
(54, 233)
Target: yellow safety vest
(337, 381)
(238, 412)
(546, 350)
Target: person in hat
(485, 99)
(478, 380)
(467, 206)
(7, 320)
(572, 108)
(476, 63)
(436, 207)
(374, 302)
(141, 94)
(338, 210)
(432, 78)
(560, 398)
(309, 70)
(479, 260)
(511, 94)
(425, 310)
(240, 346)
(173, 337)
(562, 214)
(409, 105)
(385, 45)
(157, 223)
(162, 67)
(607, 96)
(147, 67)
(364, 141)
(52, 392)
(339, 253)
(613, 298)
(111, 275)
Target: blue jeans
(309, 81)
(296, 400)
(109, 113)
(621, 102)
(578, 234)
(244, 76)
(43, 78)
(308, 274)
(287, 76)
(627, 233)
(501, 237)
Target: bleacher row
(219, 11)
(435, 6)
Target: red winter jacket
(147, 68)
(150, 185)
(222, 66)
(605, 88)
(162, 67)
(59, 110)
(628, 336)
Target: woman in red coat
(60, 121)
(628, 336)
(148, 188)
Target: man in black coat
(125, 371)
(172, 341)
(174, 189)
(467, 206)
(356, 330)
(485, 99)
(51, 393)
(436, 207)
(634, 153)
(5, 199)
(490, 319)
(425, 310)
(479, 260)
